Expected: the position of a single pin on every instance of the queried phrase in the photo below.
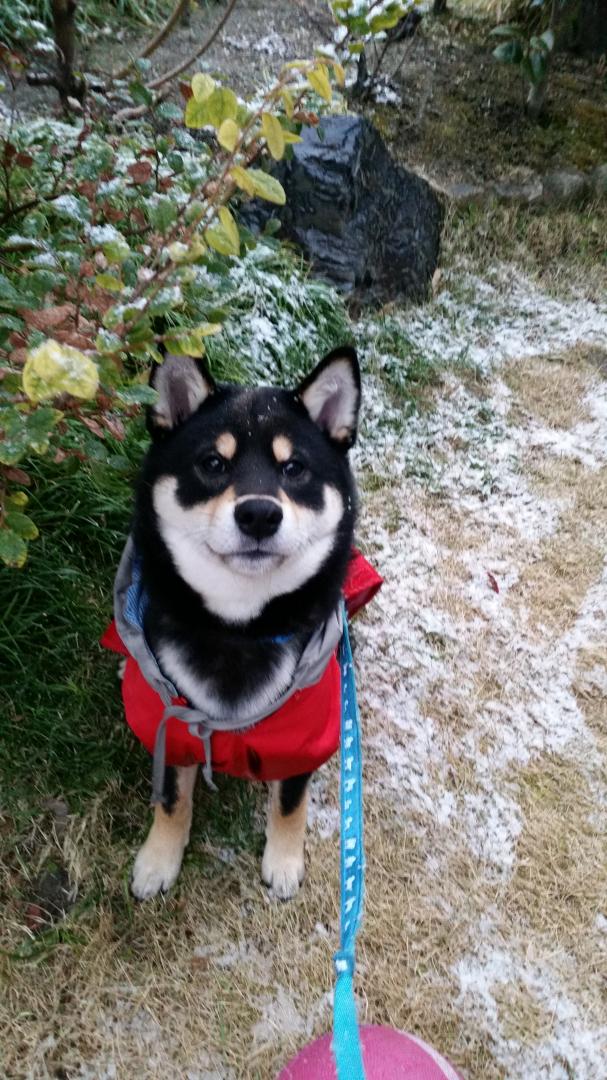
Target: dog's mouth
(253, 560)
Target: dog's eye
(213, 464)
(292, 469)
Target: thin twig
(177, 70)
(134, 111)
(157, 40)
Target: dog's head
(250, 489)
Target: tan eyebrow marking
(282, 447)
(225, 444)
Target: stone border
(559, 187)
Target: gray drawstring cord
(203, 728)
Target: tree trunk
(440, 7)
(64, 21)
(581, 26)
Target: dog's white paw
(156, 869)
(282, 870)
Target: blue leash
(346, 1037)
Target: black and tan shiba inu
(228, 597)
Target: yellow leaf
(224, 236)
(273, 134)
(208, 329)
(242, 179)
(54, 369)
(231, 228)
(340, 75)
(221, 105)
(202, 86)
(267, 187)
(291, 137)
(228, 134)
(288, 102)
(319, 81)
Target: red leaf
(17, 476)
(115, 427)
(140, 171)
(185, 90)
(24, 160)
(88, 188)
(113, 214)
(165, 183)
(49, 318)
(35, 917)
(492, 582)
(76, 340)
(93, 426)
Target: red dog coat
(297, 738)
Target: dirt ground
(482, 669)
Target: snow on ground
(450, 635)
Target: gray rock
(367, 225)
(564, 186)
(598, 181)
(522, 193)
(463, 193)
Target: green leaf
(140, 94)
(267, 187)
(13, 550)
(25, 431)
(506, 30)
(539, 66)
(163, 213)
(190, 342)
(510, 52)
(548, 38)
(137, 394)
(109, 282)
(385, 21)
(8, 294)
(21, 524)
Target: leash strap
(346, 1037)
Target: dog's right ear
(182, 384)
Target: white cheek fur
(197, 540)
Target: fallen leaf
(493, 582)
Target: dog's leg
(159, 860)
(283, 859)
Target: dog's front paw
(156, 869)
(282, 870)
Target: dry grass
(552, 389)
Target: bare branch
(133, 112)
(157, 40)
(168, 75)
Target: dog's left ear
(331, 394)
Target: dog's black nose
(258, 518)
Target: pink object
(387, 1055)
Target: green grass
(62, 729)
